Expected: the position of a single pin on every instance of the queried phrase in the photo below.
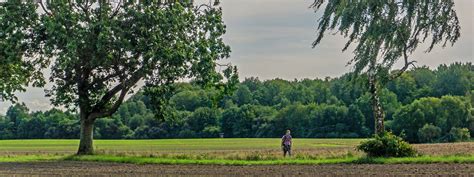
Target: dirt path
(115, 169)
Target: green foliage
(458, 134)
(332, 108)
(452, 79)
(204, 122)
(389, 103)
(446, 113)
(248, 121)
(429, 133)
(111, 129)
(17, 43)
(190, 100)
(385, 31)
(20, 124)
(404, 87)
(387, 145)
(99, 50)
(410, 118)
(243, 95)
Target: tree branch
(112, 110)
(116, 10)
(98, 110)
(100, 80)
(405, 67)
(44, 7)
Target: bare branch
(117, 9)
(222, 65)
(405, 67)
(44, 7)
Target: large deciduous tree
(99, 50)
(384, 33)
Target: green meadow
(239, 151)
(169, 145)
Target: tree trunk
(87, 134)
(379, 116)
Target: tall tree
(99, 50)
(385, 32)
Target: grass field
(254, 151)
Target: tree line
(422, 105)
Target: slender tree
(384, 33)
(99, 50)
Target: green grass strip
(152, 160)
(348, 160)
(289, 161)
(30, 158)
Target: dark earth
(72, 168)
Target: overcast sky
(272, 38)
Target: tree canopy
(99, 50)
(385, 32)
(18, 62)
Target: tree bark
(87, 134)
(379, 115)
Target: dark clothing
(286, 140)
(286, 149)
(286, 144)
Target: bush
(387, 145)
(458, 134)
(429, 133)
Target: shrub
(429, 133)
(458, 134)
(387, 145)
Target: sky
(272, 39)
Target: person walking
(286, 143)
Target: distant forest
(422, 105)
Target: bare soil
(71, 168)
